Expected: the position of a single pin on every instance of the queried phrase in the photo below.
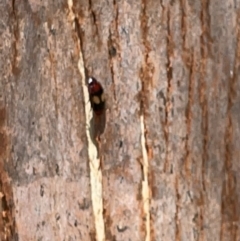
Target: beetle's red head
(96, 95)
(93, 85)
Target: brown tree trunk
(167, 163)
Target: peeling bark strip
(145, 183)
(94, 161)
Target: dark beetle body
(96, 95)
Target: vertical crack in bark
(203, 90)
(177, 233)
(113, 78)
(189, 113)
(94, 17)
(13, 6)
(169, 53)
(183, 24)
(15, 26)
(230, 213)
(146, 78)
(168, 92)
(53, 73)
(110, 46)
(113, 45)
(204, 45)
(94, 161)
(80, 35)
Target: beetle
(96, 94)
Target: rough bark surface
(168, 161)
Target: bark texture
(167, 164)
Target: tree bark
(162, 162)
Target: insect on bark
(96, 94)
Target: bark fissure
(189, 114)
(146, 80)
(15, 26)
(80, 36)
(183, 24)
(178, 231)
(203, 102)
(94, 17)
(169, 54)
(53, 73)
(203, 93)
(113, 45)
